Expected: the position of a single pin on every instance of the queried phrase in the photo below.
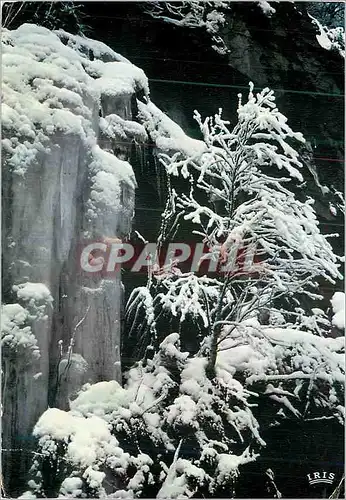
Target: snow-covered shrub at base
(87, 442)
(16, 333)
(168, 405)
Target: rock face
(66, 182)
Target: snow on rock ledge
(49, 88)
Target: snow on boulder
(33, 292)
(119, 78)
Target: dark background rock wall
(185, 73)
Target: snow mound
(87, 441)
(99, 399)
(118, 78)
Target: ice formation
(66, 100)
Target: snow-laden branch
(238, 198)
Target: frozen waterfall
(67, 103)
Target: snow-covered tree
(239, 203)
(187, 421)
